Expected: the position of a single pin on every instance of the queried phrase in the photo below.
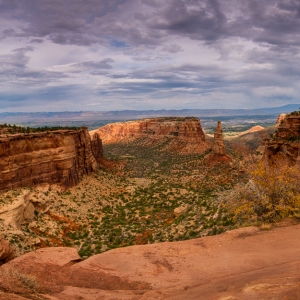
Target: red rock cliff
(185, 134)
(285, 143)
(62, 157)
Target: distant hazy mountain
(137, 114)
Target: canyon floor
(155, 197)
(246, 263)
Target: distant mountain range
(138, 114)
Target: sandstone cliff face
(285, 143)
(62, 157)
(184, 134)
(218, 146)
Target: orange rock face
(185, 134)
(286, 142)
(289, 127)
(242, 264)
(62, 157)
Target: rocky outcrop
(253, 129)
(285, 143)
(61, 157)
(280, 119)
(6, 251)
(219, 146)
(181, 134)
(97, 148)
(254, 264)
(178, 211)
(23, 209)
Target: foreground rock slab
(242, 264)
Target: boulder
(178, 211)
(6, 251)
(19, 211)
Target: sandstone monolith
(219, 146)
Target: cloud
(125, 52)
(38, 41)
(84, 66)
(173, 48)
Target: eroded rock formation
(23, 209)
(184, 134)
(62, 157)
(97, 147)
(6, 251)
(219, 146)
(285, 143)
(280, 119)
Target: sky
(101, 55)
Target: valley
(142, 194)
(158, 180)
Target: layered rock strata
(183, 134)
(219, 146)
(61, 157)
(285, 143)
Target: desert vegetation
(271, 194)
(15, 129)
(144, 194)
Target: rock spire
(218, 146)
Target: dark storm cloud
(205, 21)
(63, 21)
(149, 47)
(272, 22)
(137, 22)
(36, 41)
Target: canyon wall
(61, 157)
(285, 143)
(181, 134)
